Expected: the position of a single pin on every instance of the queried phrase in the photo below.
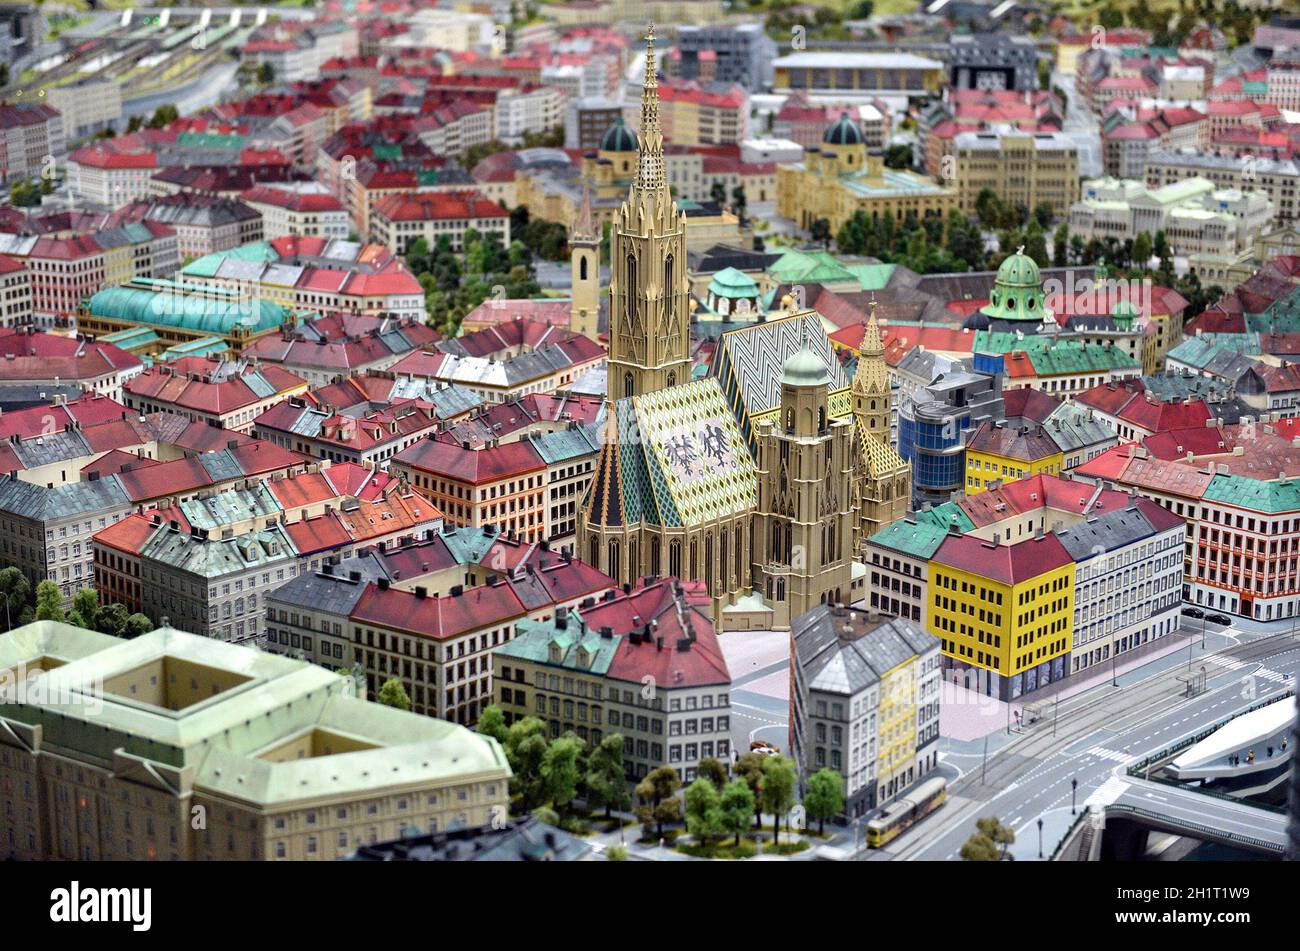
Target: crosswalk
(1102, 752)
(1263, 673)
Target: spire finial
(650, 167)
(1020, 250)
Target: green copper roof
(576, 647)
(844, 131)
(169, 304)
(618, 138)
(921, 533)
(1017, 291)
(1254, 494)
(208, 140)
(808, 266)
(733, 283)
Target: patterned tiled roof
(673, 457)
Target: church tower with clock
(649, 312)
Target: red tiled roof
(128, 534)
(701, 663)
(473, 466)
(1008, 564)
(438, 618)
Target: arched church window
(630, 288)
(672, 378)
(582, 268)
(821, 419)
(627, 384)
(613, 571)
(668, 276)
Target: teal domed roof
(1019, 270)
(733, 283)
(1017, 294)
(805, 368)
(618, 138)
(843, 132)
(1124, 314)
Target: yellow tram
(902, 813)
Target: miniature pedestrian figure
(1270, 752)
(1284, 744)
(1250, 757)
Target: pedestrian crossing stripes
(1272, 675)
(1227, 663)
(1102, 753)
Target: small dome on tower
(805, 368)
(843, 132)
(618, 138)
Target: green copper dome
(844, 132)
(1124, 314)
(1017, 293)
(733, 283)
(804, 368)
(618, 138)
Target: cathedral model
(763, 479)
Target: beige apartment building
(1028, 168)
(176, 747)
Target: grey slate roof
(334, 594)
(71, 498)
(1104, 533)
(846, 662)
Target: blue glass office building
(931, 436)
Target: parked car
(1193, 612)
(1219, 619)
(763, 748)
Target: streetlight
(1114, 679)
(1040, 837)
(1056, 713)
(1074, 786)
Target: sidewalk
(966, 716)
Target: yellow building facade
(843, 177)
(1004, 613)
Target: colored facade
(844, 176)
(1003, 612)
(864, 693)
(586, 670)
(1002, 453)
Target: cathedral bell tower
(804, 521)
(649, 313)
(882, 479)
(584, 266)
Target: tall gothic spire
(872, 375)
(872, 344)
(650, 168)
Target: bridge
(1119, 830)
